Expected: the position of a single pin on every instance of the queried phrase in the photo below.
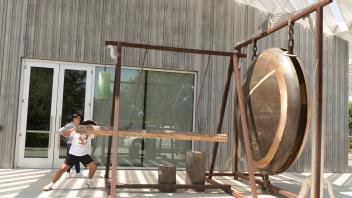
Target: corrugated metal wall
(68, 30)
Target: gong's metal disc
(277, 110)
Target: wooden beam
(162, 134)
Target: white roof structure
(337, 15)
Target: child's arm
(68, 132)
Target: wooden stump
(195, 168)
(167, 175)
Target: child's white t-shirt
(79, 144)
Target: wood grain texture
(154, 134)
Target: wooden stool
(167, 175)
(195, 168)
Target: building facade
(53, 61)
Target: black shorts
(72, 160)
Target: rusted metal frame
(247, 174)
(222, 113)
(172, 49)
(221, 174)
(232, 174)
(235, 142)
(317, 7)
(224, 188)
(244, 124)
(317, 147)
(273, 189)
(112, 191)
(114, 149)
(177, 186)
(283, 24)
(108, 157)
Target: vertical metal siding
(68, 30)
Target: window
(149, 100)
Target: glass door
(50, 92)
(74, 95)
(37, 114)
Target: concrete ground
(27, 183)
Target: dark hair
(88, 122)
(76, 115)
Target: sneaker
(68, 175)
(89, 183)
(48, 187)
(78, 175)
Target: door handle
(59, 136)
(51, 131)
(59, 141)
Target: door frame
(23, 110)
(58, 66)
(88, 106)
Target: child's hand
(68, 132)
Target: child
(79, 152)
(76, 119)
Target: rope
(137, 90)
(201, 91)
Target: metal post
(114, 149)
(235, 130)
(108, 156)
(317, 165)
(244, 126)
(222, 113)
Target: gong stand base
(212, 185)
(264, 183)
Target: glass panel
(101, 115)
(151, 100)
(36, 145)
(39, 99)
(39, 108)
(169, 104)
(73, 100)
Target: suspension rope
(130, 125)
(201, 92)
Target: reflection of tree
(169, 102)
(40, 94)
(74, 94)
(39, 100)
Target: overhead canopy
(337, 15)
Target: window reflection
(150, 100)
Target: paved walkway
(28, 183)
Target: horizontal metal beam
(229, 191)
(303, 13)
(273, 189)
(172, 49)
(178, 186)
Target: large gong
(277, 108)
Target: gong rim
(290, 77)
